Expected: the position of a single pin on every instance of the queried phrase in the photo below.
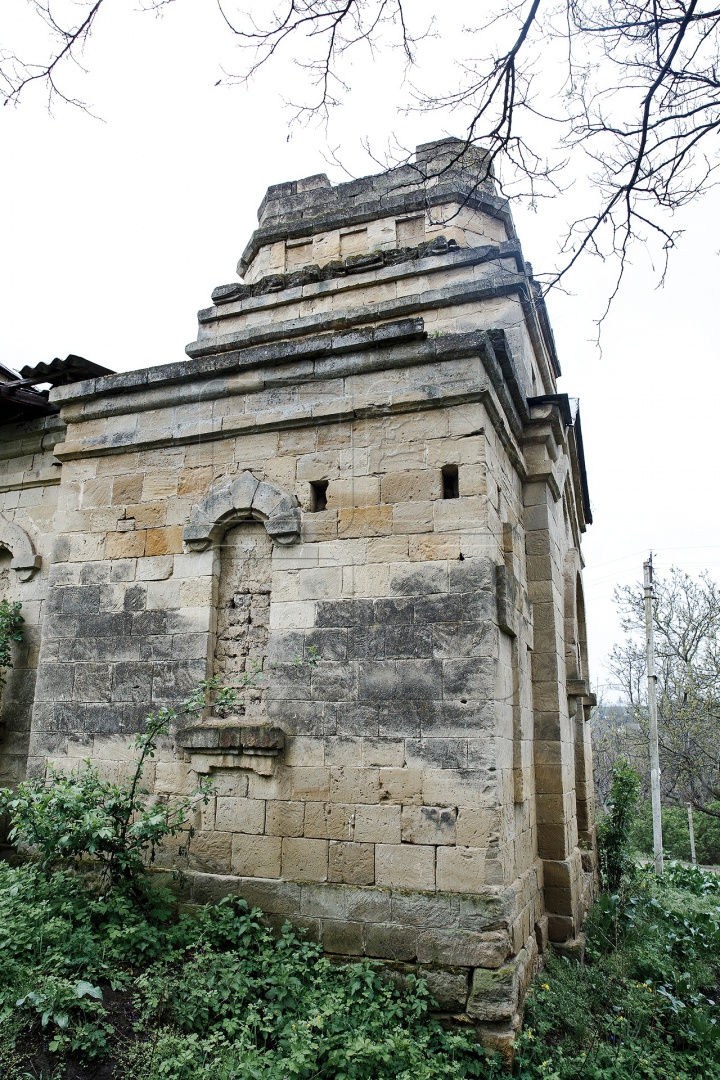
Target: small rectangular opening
(451, 488)
(318, 491)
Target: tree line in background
(686, 615)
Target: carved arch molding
(13, 537)
(230, 502)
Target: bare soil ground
(38, 1063)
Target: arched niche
(580, 698)
(25, 561)
(581, 626)
(228, 503)
(576, 669)
(240, 520)
(242, 630)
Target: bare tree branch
(625, 93)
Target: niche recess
(243, 609)
(241, 519)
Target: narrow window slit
(450, 482)
(318, 496)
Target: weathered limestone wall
(29, 489)
(364, 461)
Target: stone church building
(364, 479)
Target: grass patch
(645, 1005)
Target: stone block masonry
(364, 482)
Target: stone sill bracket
(25, 567)
(580, 688)
(232, 744)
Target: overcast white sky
(115, 231)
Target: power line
(590, 584)
(620, 559)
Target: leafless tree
(628, 89)
(616, 735)
(686, 614)
(66, 40)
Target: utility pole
(692, 834)
(652, 709)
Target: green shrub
(692, 879)
(224, 700)
(61, 940)
(614, 829)
(76, 815)
(282, 1009)
(643, 1006)
(10, 630)
(216, 995)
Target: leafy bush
(614, 829)
(215, 996)
(692, 879)
(280, 1008)
(62, 939)
(224, 700)
(10, 630)
(70, 816)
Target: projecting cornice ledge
(555, 427)
(498, 281)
